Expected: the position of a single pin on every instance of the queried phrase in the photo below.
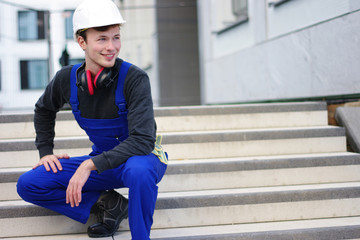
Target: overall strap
(74, 102)
(119, 93)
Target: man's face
(101, 48)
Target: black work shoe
(110, 209)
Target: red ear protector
(102, 79)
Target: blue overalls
(140, 173)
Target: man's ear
(81, 42)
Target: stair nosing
(222, 165)
(192, 110)
(252, 135)
(239, 109)
(258, 195)
(232, 165)
(7, 145)
(335, 232)
(216, 198)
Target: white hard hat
(96, 13)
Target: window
(68, 15)
(34, 74)
(229, 14)
(31, 25)
(239, 9)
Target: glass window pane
(37, 74)
(34, 74)
(229, 13)
(28, 29)
(68, 23)
(239, 7)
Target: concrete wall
(139, 39)
(300, 49)
(178, 53)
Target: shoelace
(99, 213)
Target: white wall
(301, 49)
(12, 50)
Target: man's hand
(51, 162)
(77, 182)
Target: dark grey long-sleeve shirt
(101, 105)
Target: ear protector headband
(102, 79)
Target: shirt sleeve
(45, 111)
(141, 123)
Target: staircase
(259, 171)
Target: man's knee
(137, 172)
(23, 186)
(31, 185)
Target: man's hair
(82, 32)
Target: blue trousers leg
(48, 189)
(140, 174)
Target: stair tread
(254, 130)
(221, 131)
(234, 164)
(192, 137)
(27, 116)
(247, 158)
(256, 227)
(223, 229)
(225, 192)
(228, 159)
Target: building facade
(196, 52)
(278, 50)
(34, 34)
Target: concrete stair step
(230, 206)
(211, 174)
(199, 145)
(256, 171)
(246, 116)
(170, 138)
(259, 142)
(248, 172)
(193, 118)
(249, 205)
(336, 228)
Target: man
(111, 100)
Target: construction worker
(111, 100)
